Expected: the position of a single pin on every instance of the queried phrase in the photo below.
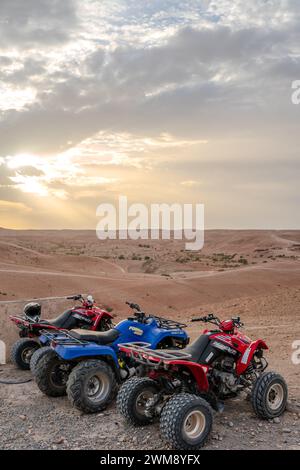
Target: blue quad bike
(88, 365)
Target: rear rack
(19, 318)
(151, 357)
(63, 338)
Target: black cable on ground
(14, 382)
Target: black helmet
(32, 310)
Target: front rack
(168, 324)
(151, 357)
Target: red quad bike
(28, 350)
(183, 386)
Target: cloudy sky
(159, 100)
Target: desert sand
(251, 273)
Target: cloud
(192, 81)
(19, 72)
(5, 174)
(123, 95)
(190, 183)
(185, 85)
(34, 23)
(56, 176)
(8, 206)
(30, 171)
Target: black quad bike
(27, 351)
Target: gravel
(30, 420)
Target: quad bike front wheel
(186, 421)
(106, 324)
(22, 351)
(133, 397)
(51, 374)
(92, 386)
(37, 356)
(269, 395)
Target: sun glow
(14, 98)
(21, 160)
(30, 184)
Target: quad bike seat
(99, 337)
(66, 320)
(197, 348)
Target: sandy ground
(254, 274)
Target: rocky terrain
(264, 290)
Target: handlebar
(134, 306)
(75, 297)
(138, 313)
(211, 318)
(237, 322)
(165, 323)
(87, 301)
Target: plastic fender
(132, 331)
(99, 318)
(73, 352)
(106, 314)
(156, 337)
(101, 312)
(43, 340)
(198, 371)
(246, 358)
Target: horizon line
(144, 230)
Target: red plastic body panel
(227, 325)
(236, 340)
(233, 339)
(198, 371)
(247, 357)
(96, 314)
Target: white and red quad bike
(181, 387)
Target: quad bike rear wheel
(269, 395)
(92, 386)
(22, 351)
(51, 374)
(186, 421)
(37, 356)
(133, 397)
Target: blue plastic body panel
(72, 352)
(130, 331)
